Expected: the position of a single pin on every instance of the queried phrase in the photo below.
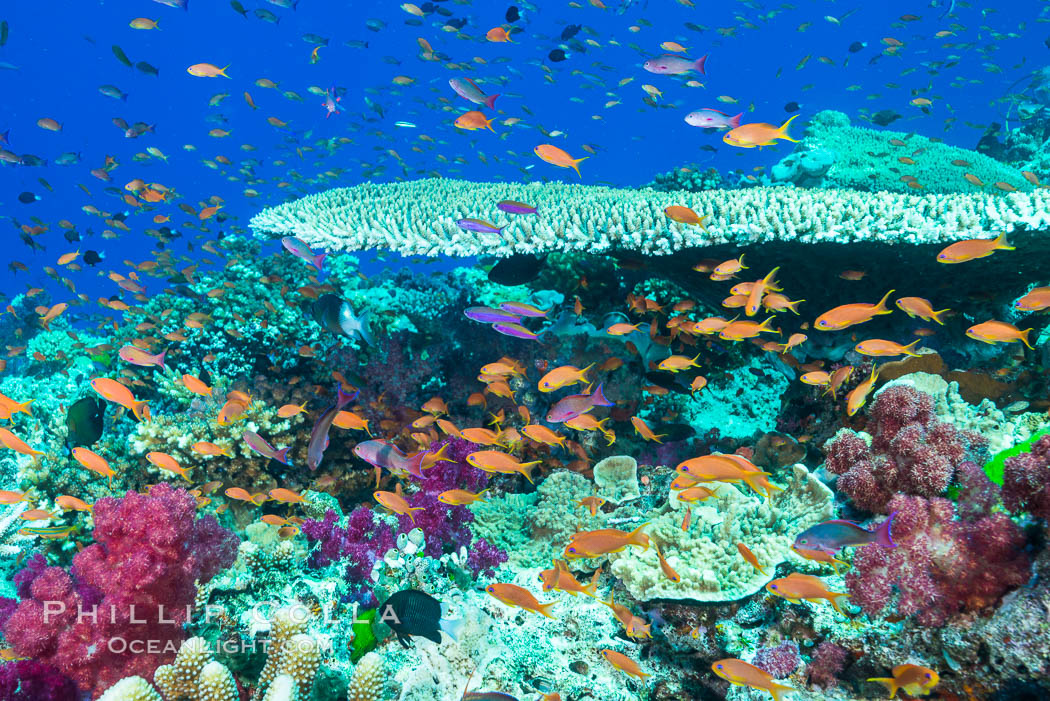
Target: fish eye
(720, 666)
(572, 550)
(772, 586)
(803, 541)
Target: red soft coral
(910, 452)
(942, 565)
(1026, 480)
(150, 551)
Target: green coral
(995, 467)
(865, 159)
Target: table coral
(705, 556)
(597, 219)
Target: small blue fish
(832, 536)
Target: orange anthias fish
(555, 156)
(165, 462)
(819, 556)
(912, 678)
(798, 587)
(745, 552)
(603, 541)
(917, 307)
(758, 134)
(10, 440)
(624, 663)
(1035, 300)
(396, 503)
(685, 215)
(859, 394)
(560, 578)
(113, 391)
(972, 249)
(563, 377)
(472, 121)
(94, 462)
(741, 673)
(882, 348)
(495, 461)
(207, 70)
(847, 315)
(519, 597)
(998, 332)
(461, 497)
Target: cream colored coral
(617, 478)
(283, 688)
(131, 689)
(706, 556)
(367, 682)
(302, 657)
(284, 624)
(179, 679)
(216, 683)
(419, 217)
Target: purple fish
(488, 315)
(832, 536)
(179, 4)
(708, 118)
(319, 434)
(384, 454)
(260, 446)
(512, 207)
(469, 90)
(299, 249)
(576, 404)
(479, 225)
(515, 330)
(523, 309)
(669, 64)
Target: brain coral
(876, 160)
(419, 217)
(706, 557)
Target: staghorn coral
(709, 566)
(597, 219)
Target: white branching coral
(419, 217)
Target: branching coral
(909, 451)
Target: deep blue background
(63, 53)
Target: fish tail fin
(1001, 244)
(1024, 338)
(488, 125)
(591, 589)
(342, 398)
(482, 498)
(889, 682)
(525, 469)
(162, 356)
(793, 306)
(936, 316)
(140, 410)
(451, 627)
(576, 164)
(884, 533)
(910, 348)
(583, 373)
(598, 397)
(365, 331)
(764, 326)
(699, 65)
(881, 307)
(835, 596)
(782, 132)
(695, 358)
(222, 71)
(227, 451)
(24, 407)
(636, 537)
(414, 466)
(753, 480)
(778, 690)
(318, 261)
(281, 456)
(440, 455)
(734, 122)
(740, 260)
(490, 101)
(545, 609)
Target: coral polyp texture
(419, 217)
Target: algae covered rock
(706, 557)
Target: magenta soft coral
(1026, 480)
(149, 552)
(942, 565)
(911, 452)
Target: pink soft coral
(910, 452)
(1026, 480)
(150, 552)
(942, 565)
